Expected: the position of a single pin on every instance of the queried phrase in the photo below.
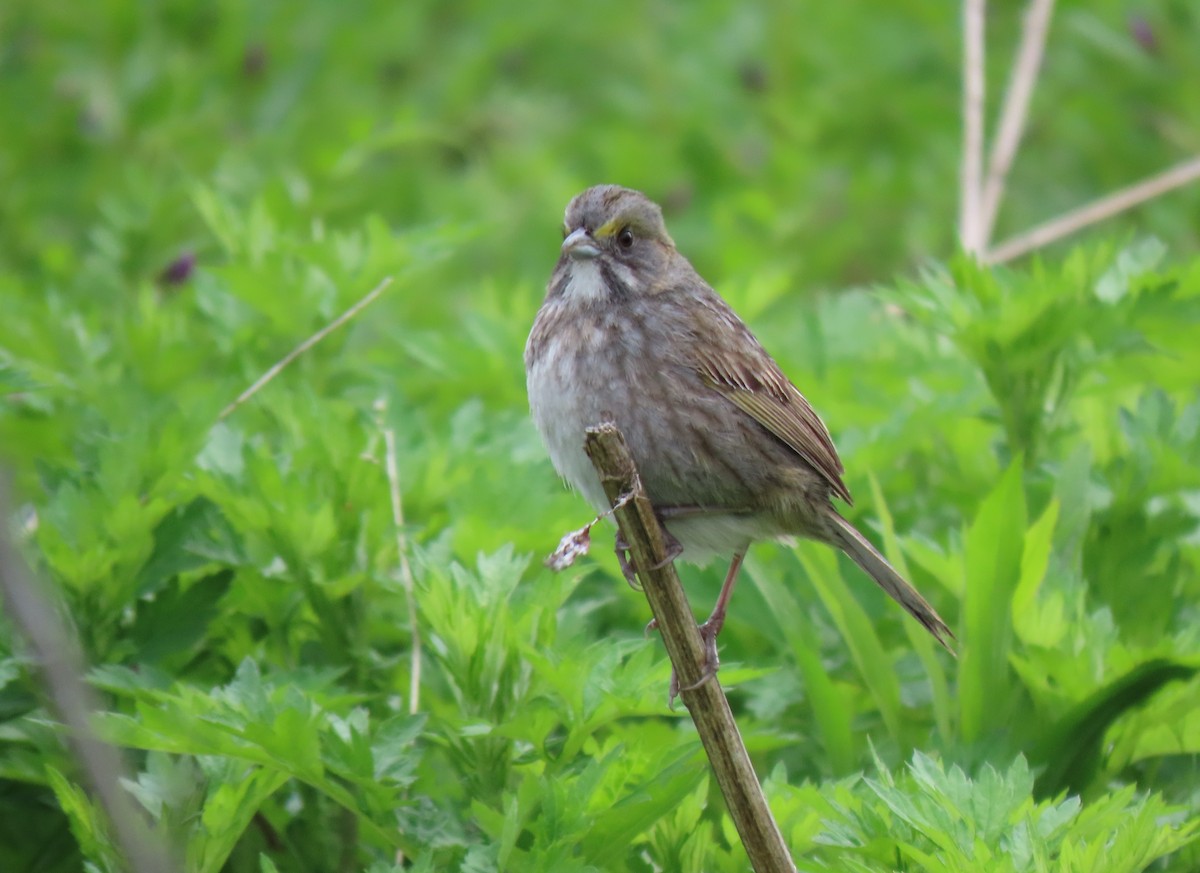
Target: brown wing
(752, 380)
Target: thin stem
(279, 365)
(406, 574)
(56, 653)
(1014, 112)
(1097, 210)
(969, 213)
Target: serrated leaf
(177, 620)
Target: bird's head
(615, 246)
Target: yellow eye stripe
(609, 228)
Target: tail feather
(854, 544)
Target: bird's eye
(625, 238)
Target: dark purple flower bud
(179, 270)
(1143, 34)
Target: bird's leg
(712, 626)
(716, 620)
(666, 513)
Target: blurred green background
(188, 190)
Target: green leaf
(178, 618)
(1035, 558)
(831, 705)
(920, 640)
(179, 544)
(858, 633)
(994, 545)
(87, 824)
(1070, 752)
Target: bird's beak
(580, 246)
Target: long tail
(854, 544)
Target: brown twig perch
(706, 703)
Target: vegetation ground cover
(189, 190)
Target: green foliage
(191, 190)
(939, 819)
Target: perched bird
(728, 449)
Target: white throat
(585, 282)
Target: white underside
(562, 416)
(585, 282)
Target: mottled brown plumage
(728, 448)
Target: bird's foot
(629, 571)
(622, 549)
(712, 663)
(674, 550)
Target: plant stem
(1015, 111)
(60, 663)
(706, 703)
(277, 368)
(970, 213)
(1097, 210)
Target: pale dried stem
(969, 213)
(1097, 210)
(56, 654)
(1014, 113)
(406, 574)
(283, 362)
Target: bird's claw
(629, 571)
(674, 550)
(622, 549)
(712, 663)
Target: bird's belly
(563, 410)
(716, 535)
(704, 535)
(683, 445)
(563, 434)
